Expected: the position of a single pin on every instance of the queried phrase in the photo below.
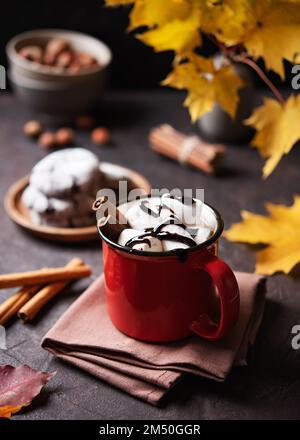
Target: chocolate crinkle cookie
(62, 188)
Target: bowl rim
(15, 58)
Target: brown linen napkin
(85, 337)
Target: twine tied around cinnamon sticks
(190, 150)
(39, 287)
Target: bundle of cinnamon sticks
(190, 150)
(38, 288)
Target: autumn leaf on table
(278, 129)
(19, 386)
(280, 231)
(206, 84)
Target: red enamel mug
(167, 296)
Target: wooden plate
(21, 216)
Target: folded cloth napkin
(85, 337)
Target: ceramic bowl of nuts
(58, 72)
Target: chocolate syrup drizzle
(149, 211)
(162, 235)
(184, 201)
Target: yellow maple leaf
(274, 33)
(227, 20)
(118, 2)
(178, 29)
(156, 12)
(206, 85)
(280, 231)
(179, 35)
(278, 129)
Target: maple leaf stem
(244, 59)
(229, 53)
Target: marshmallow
(155, 245)
(202, 235)
(139, 219)
(186, 213)
(169, 245)
(128, 234)
(171, 214)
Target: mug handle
(228, 290)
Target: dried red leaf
(19, 386)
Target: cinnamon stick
(191, 150)
(43, 276)
(109, 218)
(43, 296)
(12, 305)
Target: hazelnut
(55, 46)
(84, 121)
(47, 140)
(32, 128)
(74, 68)
(64, 136)
(64, 59)
(48, 59)
(32, 53)
(85, 60)
(100, 136)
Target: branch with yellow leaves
(244, 31)
(240, 58)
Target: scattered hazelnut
(32, 128)
(64, 136)
(55, 46)
(84, 121)
(100, 136)
(32, 53)
(47, 140)
(64, 59)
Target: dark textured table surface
(269, 387)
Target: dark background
(134, 64)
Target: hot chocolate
(162, 224)
(174, 243)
